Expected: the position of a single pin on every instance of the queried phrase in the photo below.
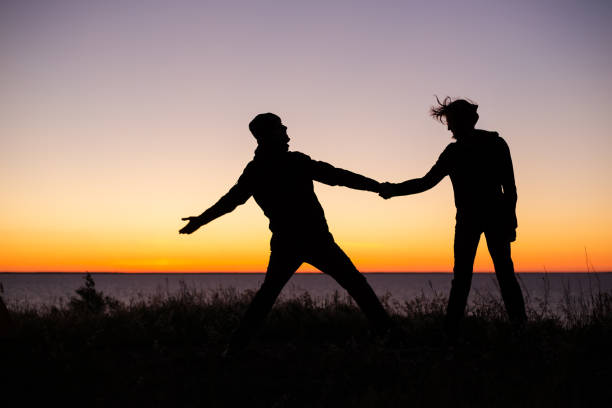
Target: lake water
(46, 289)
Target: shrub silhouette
(6, 323)
(89, 299)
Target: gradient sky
(117, 118)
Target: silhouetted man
(281, 182)
(480, 169)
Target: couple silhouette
(281, 182)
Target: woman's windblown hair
(462, 109)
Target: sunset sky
(117, 118)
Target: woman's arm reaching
(418, 185)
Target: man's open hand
(193, 225)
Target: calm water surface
(46, 289)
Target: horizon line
(263, 272)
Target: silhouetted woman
(480, 169)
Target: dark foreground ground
(165, 352)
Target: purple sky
(112, 107)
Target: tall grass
(165, 350)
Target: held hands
(387, 190)
(193, 225)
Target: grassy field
(165, 352)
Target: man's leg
(281, 267)
(330, 259)
(499, 248)
(466, 243)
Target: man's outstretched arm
(237, 195)
(333, 176)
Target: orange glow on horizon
(253, 259)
